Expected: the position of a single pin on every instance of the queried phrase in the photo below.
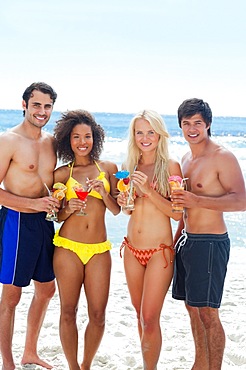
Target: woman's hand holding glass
(82, 190)
(141, 181)
(126, 196)
(122, 199)
(98, 186)
(74, 205)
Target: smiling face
(194, 129)
(81, 140)
(39, 109)
(146, 138)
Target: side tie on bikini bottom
(144, 255)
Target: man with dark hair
(28, 159)
(190, 107)
(38, 86)
(203, 245)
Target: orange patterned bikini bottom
(144, 255)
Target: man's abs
(204, 221)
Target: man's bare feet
(200, 366)
(10, 367)
(35, 360)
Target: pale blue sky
(123, 56)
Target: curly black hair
(64, 127)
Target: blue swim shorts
(26, 248)
(200, 269)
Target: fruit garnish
(122, 174)
(174, 184)
(121, 186)
(126, 180)
(59, 194)
(175, 178)
(59, 186)
(77, 185)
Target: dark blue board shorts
(200, 269)
(26, 247)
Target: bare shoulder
(222, 154)
(9, 135)
(186, 155)
(9, 141)
(61, 173)
(47, 135)
(174, 167)
(111, 167)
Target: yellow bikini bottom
(83, 251)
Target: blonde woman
(148, 247)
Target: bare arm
(68, 208)
(61, 174)
(231, 197)
(180, 227)
(16, 196)
(17, 202)
(163, 204)
(109, 199)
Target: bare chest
(31, 156)
(202, 176)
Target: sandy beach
(120, 348)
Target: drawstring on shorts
(181, 241)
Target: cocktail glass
(52, 214)
(125, 185)
(81, 191)
(130, 197)
(57, 192)
(177, 183)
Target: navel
(31, 166)
(199, 185)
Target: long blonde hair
(162, 155)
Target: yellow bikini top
(71, 182)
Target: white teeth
(145, 144)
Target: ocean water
(228, 131)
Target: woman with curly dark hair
(82, 253)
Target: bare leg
(200, 339)
(9, 300)
(69, 272)
(148, 287)
(215, 336)
(156, 283)
(42, 295)
(97, 280)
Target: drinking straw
(89, 188)
(131, 187)
(183, 180)
(49, 193)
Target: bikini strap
(99, 169)
(125, 243)
(170, 248)
(71, 168)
